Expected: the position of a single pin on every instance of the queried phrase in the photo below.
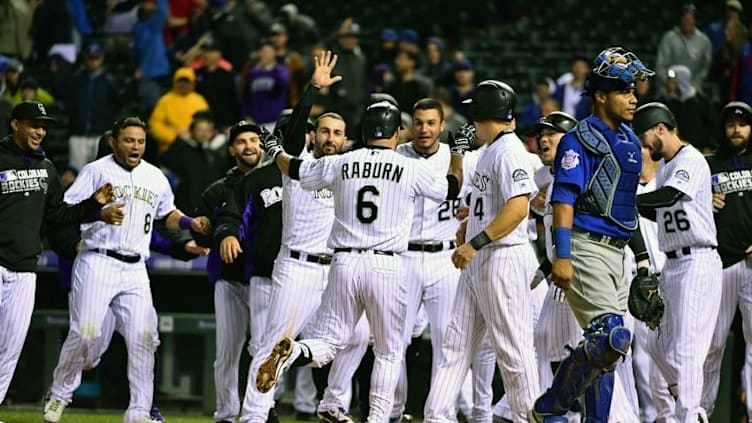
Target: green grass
(75, 416)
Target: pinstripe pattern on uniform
(232, 313)
(679, 346)
(338, 391)
(16, 306)
(737, 293)
(493, 294)
(296, 288)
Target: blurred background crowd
(191, 68)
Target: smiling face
(426, 128)
(246, 150)
(28, 134)
(330, 136)
(129, 146)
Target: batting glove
(460, 143)
(271, 143)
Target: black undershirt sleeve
(295, 168)
(454, 187)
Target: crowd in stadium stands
(192, 68)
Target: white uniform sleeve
(687, 176)
(427, 184)
(83, 187)
(166, 199)
(515, 177)
(319, 173)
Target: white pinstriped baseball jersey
(376, 189)
(433, 221)
(306, 215)
(543, 178)
(689, 222)
(144, 190)
(503, 172)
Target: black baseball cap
(31, 110)
(243, 126)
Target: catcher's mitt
(645, 301)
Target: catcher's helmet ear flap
(737, 108)
(492, 100)
(381, 120)
(651, 114)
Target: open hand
(323, 64)
(113, 214)
(719, 202)
(229, 249)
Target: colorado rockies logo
(480, 182)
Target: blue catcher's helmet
(615, 69)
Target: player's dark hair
(121, 124)
(429, 104)
(332, 115)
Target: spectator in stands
(179, 15)
(690, 108)
(174, 111)
(409, 40)
(408, 86)
(52, 27)
(289, 58)
(237, 26)
(56, 77)
(381, 75)
(464, 86)
(684, 45)
(217, 84)
(149, 53)
(120, 17)
(452, 121)
(531, 112)
(92, 106)
(349, 95)
(6, 107)
(194, 164)
(387, 49)
(644, 91)
(31, 91)
(731, 63)
(437, 68)
(12, 82)
(265, 87)
(301, 28)
(741, 81)
(716, 31)
(569, 92)
(15, 40)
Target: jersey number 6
(367, 211)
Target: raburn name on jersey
(376, 170)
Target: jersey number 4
(676, 221)
(367, 211)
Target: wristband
(185, 222)
(562, 241)
(480, 240)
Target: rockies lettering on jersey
(147, 196)
(688, 222)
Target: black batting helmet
(492, 100)
(380, 120)
(558, 121)
(737, 108)
(651, 114)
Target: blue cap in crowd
(410, 35)
(94, 50)
(389, 34)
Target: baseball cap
(31, 110)
(389, 34)
(736, 5)
(688, 8)
(463, 64)
(29, 82)
(277, 28)
(243, 126)
(353, 31)
(94, 50)
(737, 108)
(14, 65)
(410, 35)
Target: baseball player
(597, 168)
(374, 190)
(498, 262)
(30, 194)
(109, 273)
(731, 169)
(302, 265)
(682, 205)
(231, 292)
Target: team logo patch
(519, 175)
(570, 160)
(682, 175)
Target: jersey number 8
(147, 223)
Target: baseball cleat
(284, 353)
(53, 410)
(334, 415)
(155, 415)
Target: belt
(684, 251)
(605, 239)
(431, 247)
(311, 258)
(363, 250)
(117, 256)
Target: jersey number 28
(367, 211)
